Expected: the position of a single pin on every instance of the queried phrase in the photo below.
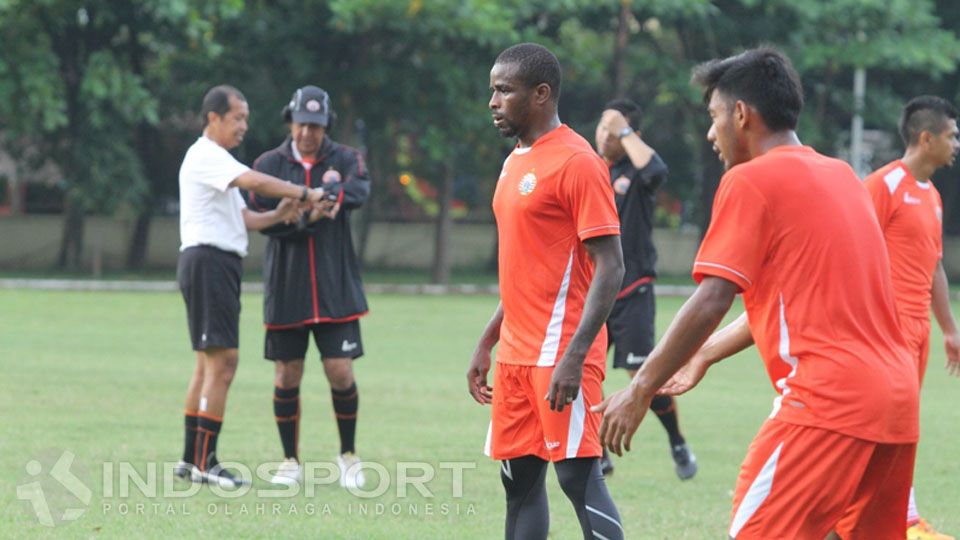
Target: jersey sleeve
(881, 197)
(218, 168)
(585, 192)
(738, 238)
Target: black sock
(286, 409)
(666, 410)
(582, 482)
(189, 435)
(528, 514)
(208, 429)
(345, 405)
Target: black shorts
(630, 328)
(209, 280)
(335, 340)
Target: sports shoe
(921, 530)
(288, 474)
(222, 477)
(351, 473)
(685, 463)
(184, 470)
(606, 464)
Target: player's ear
(742, 114)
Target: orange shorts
(522, 423)
(916, 330)
(802, 482)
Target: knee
(288, 374)
(573, 475)
(223, 367)
(339, 373)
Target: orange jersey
(550, 197)
(795, 231)
(910, 215)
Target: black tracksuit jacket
(311, 275)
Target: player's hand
(622, 414)
(951, 342)
(315, 195)
(686, 378)
(477, 376)
(614, 120)
(289, 211)
(324, 209)
(564, 384)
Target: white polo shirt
(211, 212)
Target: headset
(287, 112)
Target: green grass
(103, 375)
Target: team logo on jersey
(621, 185)
(528, 183)
(939, 212)
(907, 199)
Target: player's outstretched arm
(699, 316)
(480, 362)
(940, 302)
(724, 343)
(270, 186)
(607, 255)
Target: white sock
(912, 514)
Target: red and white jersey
(550, 198)
(911, 218)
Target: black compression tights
(528, 515)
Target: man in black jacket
(312, 278)
(636, 172)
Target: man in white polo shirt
(213, 239)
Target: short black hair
(537, 66)
(924, 113)
(217, 100)
(763, 78)
(629, 109)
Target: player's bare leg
(286, 409)
(346, 403)
(219, 368)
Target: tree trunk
(139, 240)
(618, 77)
(71, 240)
(441, 251)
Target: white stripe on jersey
(893, 178)
(551, 342)
(722, 267)
(786, 357)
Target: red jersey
(550, 198)
(796, 231)
(910, 215)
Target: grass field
(102, 375)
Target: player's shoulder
(887, 179)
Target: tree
(77, 86)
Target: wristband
(624, 132)
(303, 194)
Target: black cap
(310, 105)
